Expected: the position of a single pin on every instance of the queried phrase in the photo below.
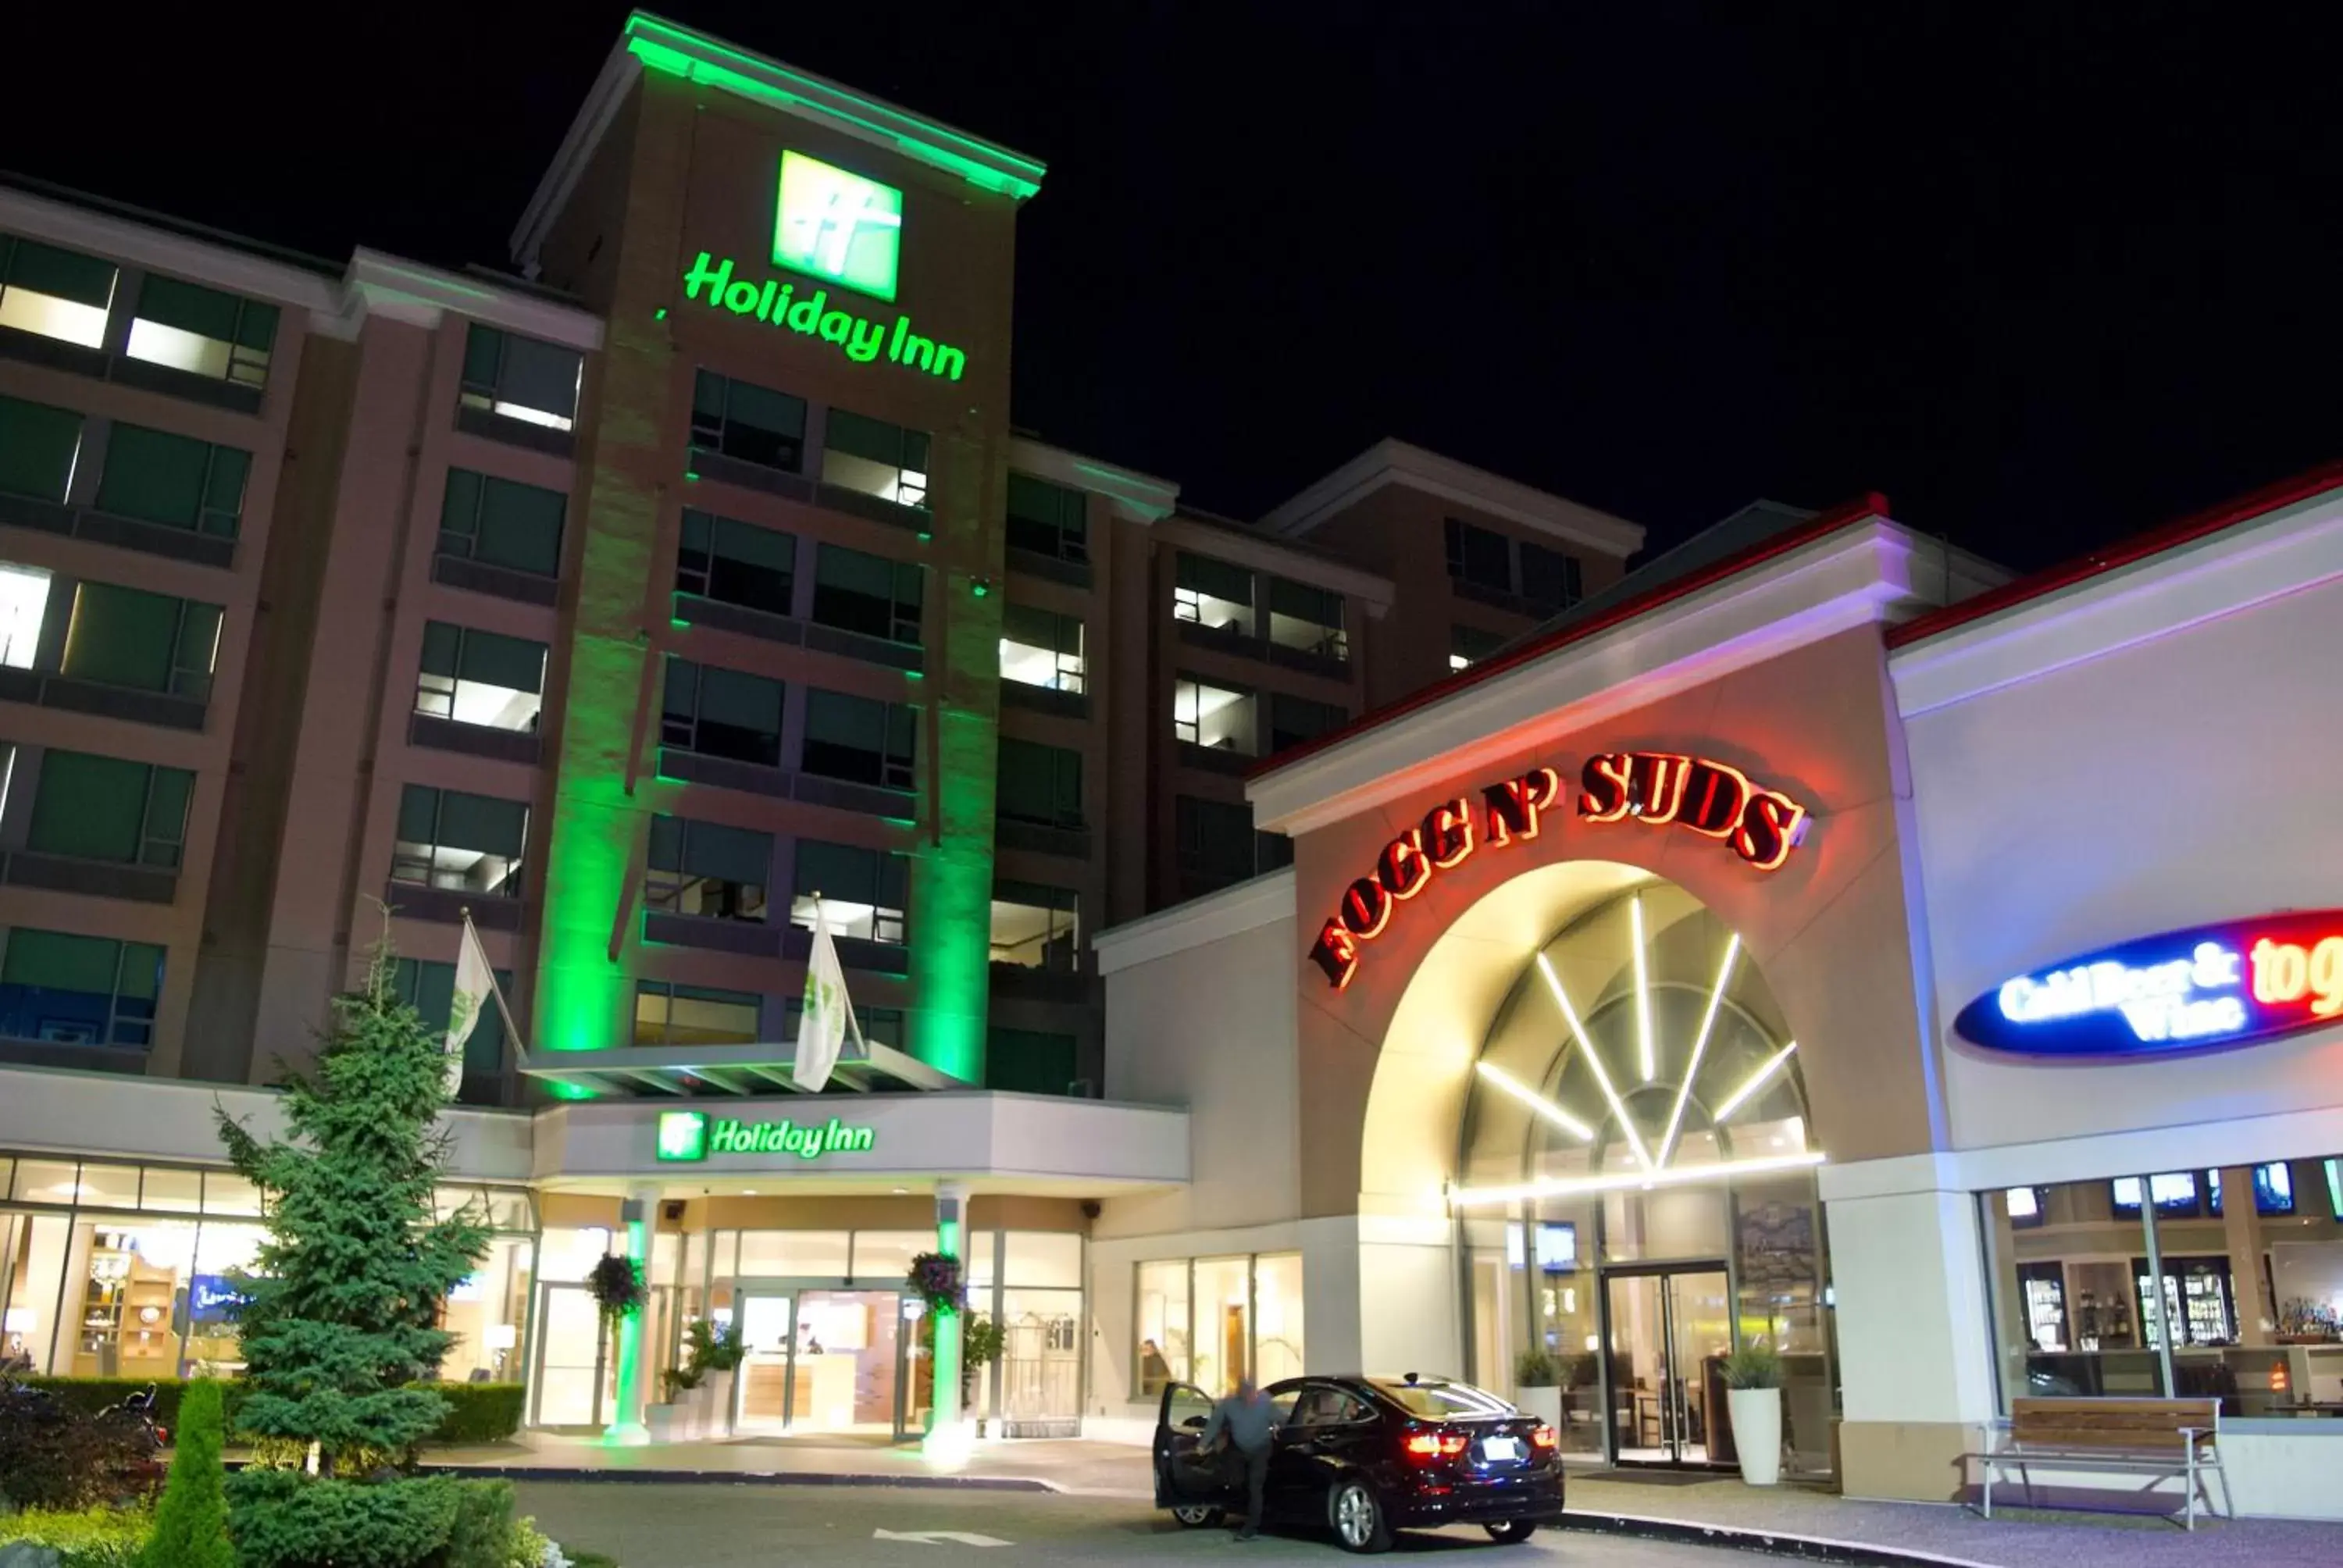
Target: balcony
(489, 912)
(98, 878)
(33, 348)
(500, 582)
(491, 426)
(520, 746)
(124, 533)
(139, 707)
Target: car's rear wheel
(1512, 1531)
(1197, 1515)
(1357, 1516)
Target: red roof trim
(1871, 504)
(2138, 547)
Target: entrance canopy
(723, 1070)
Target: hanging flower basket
(936, 1280)
(617, 1284)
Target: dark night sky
(2046, 275)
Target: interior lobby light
(1619, 1182)
(1595, 1060)
(1773, 1065)
(1537, 1102)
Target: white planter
(1757, 1433)
(669, 1423)
(712, 1406)
(1545, 1404)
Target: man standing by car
(1245, 1422)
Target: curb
(1772, 1543)
(736, 1478)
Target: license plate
(1501, 1448)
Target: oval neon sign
(2203, 989)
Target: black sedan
(1363, 1457)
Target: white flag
(476, 982)
(827, 1015)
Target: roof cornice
(1137, 498)
(126, 240)
(377, 284)
(1247, 549)
(1392, 462)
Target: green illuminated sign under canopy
(861, 339)
(696, 1135)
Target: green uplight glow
(626, 1429)
(837, 224)
(945, 1441)
(659, 314)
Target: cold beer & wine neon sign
(1654, 787)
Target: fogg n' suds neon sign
(1709, 799)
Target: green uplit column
(948, 1435)
(627, 1426)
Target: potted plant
(713, 1351)
(979, 1346)
(1537, 1385)
(674, 1418)
(1753, 1392)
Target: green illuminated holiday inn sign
(694, 1135)
(859, 338)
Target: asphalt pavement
(650, 1525)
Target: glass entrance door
(821, 1360)
(1668, 1329)
(572, 1370)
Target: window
(1040, 784)
(38, 448)
(1034, 927)
(203, 331)
(1210, 1321)
(1047, 519)
(1480, 557)
(1469, 644)
(1030, 1061)
(708, 870)
(868, 594)
(1550, 579)
(174, 480)
(1215, 837)
(862, 891)
(880, 1025)
(24, 605)
(430, 989)
(1307, 619)
(860, 740)
(502, 523)
(55, 293)
(1294, 720)
(470, 843)
(752, 424)
(1219, 717)
(669, 1014)
(521, 378)
(482, 678)
(1213, 593)
(127, 637)
(106, 808)
(737, 563)
(78, 991)
(720, 712)
(874, 457)
(1040, 649)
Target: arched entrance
(1634, 1191)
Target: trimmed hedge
(477, 1411)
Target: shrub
(56, 1456)
(482, 1535)
(1533, 1367)
(1754, 1366)
(191, 1522)
(478, 1412)
(283, 1518)
(79, 1529)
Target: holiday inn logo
(859, 339)
(838, 225)
(691, 1135)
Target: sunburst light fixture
(1675, 1043)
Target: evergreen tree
(191, 1525)
(343, 1300)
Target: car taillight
(1545, 1436)
(163, 1435)
(1420, 1445)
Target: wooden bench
(2157, 1437)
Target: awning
(723, 1070)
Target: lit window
(1214, 716)
(23, 604)
(1213, 593)
(203, 331)
(467, 843)
(481, 678)
(1034, 927)
(694, 1015)
(1040, 649)
(521, 378)
(862, 890)
(55, 293)
(875, 458)
(149, 641)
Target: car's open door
(1185, 1478)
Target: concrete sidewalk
(1795, 1520)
